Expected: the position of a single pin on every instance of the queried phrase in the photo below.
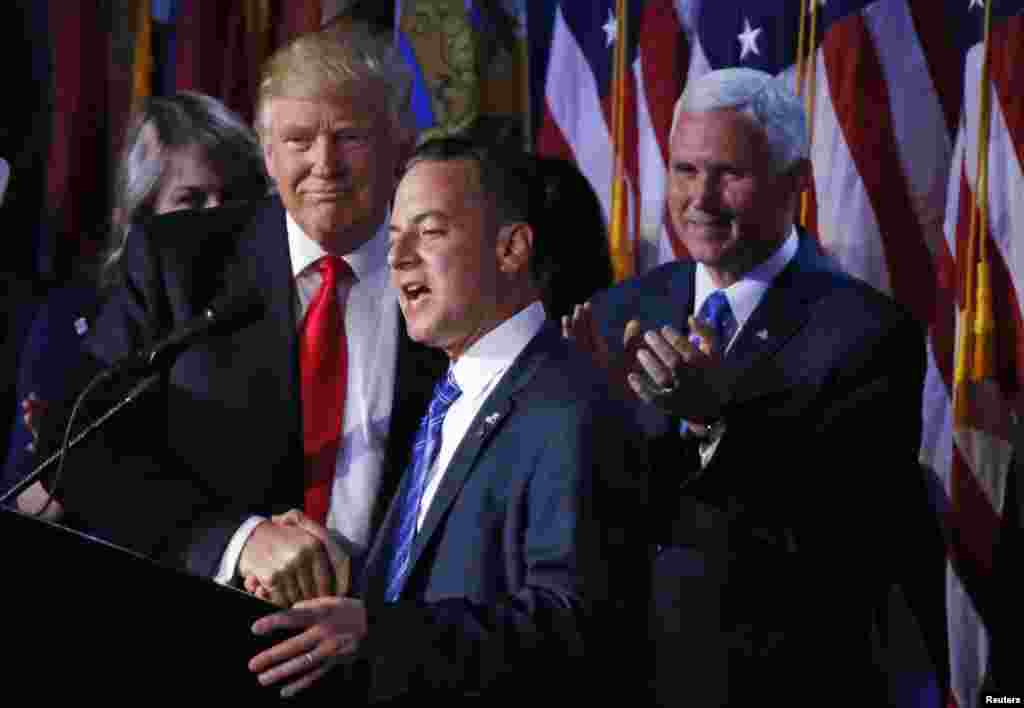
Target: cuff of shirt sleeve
(705, 432)
(226, 571)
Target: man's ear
(515, 247)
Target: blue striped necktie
(717, 312)
(424, 452)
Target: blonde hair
(340, 60)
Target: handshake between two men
(293, 562)
(291, 558)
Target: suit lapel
(255, 368)
(493, 414)
(777, 317)
(782, 313)
(679, 297)
(418, 369)
(455, 477)
(264, 262)
(498, 407)
(264, 259)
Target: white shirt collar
(745, 294)
(366, 259)
(490, 355)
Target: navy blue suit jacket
(530, 566)
(773, 559)
(222, 439)
(18, 305)
(49, 354)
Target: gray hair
(759, 95)
(168, 123)
(340, 60)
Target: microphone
(226, 312)
(229, 311)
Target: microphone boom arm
(87, 432)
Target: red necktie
(323, 362)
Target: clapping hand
(681, 375)
(581, 327)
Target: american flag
(892, 88)
(972, 448)
(103, 61)
(614, 70)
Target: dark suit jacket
(49, 353)
(530, 565)
(18, 304)
(222, 440)
(772, 561)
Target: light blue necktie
(717, 312)
(424, 452)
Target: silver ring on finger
(669, 389)
(308, 656)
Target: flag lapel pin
(489, 422)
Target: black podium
(84, 619)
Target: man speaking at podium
(512, 557)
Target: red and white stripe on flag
(894, 146)
(581, 89)
(892, 89)
(981, 442)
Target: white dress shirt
(744, 296)
(746, 293)
(477, 371)
(371, 334)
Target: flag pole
(806, 74)
(984, 323)
(812, 71)
(142, 56)
(800, 51)
(620, 247)
(975, 358)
